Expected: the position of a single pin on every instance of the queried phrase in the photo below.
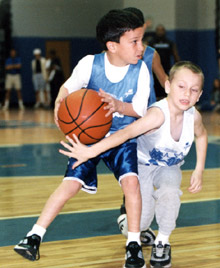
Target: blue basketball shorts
(122, 161)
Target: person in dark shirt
(55, 75)
(167, 51)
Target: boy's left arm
(114, 105)
(201, 140)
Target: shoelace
(159, 250)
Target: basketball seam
(80, 125)
(74, 120)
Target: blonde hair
(188, 65)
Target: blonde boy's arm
(201, 140)
(152, 120)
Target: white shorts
(13, 81)
(39, 82)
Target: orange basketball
(82, 113)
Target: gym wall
(191, 24)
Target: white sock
(162, 238)
(133, 237)
(38, 230)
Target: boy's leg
(66, 190)
(131, 190)
(20, 101)
(146, 174)
(29, 246)
(7, 99)
(167, 181)
(148, 206)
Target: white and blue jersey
(159, 148)
(123, 90)
(123, 83)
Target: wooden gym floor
(85, 234)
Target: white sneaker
(123, 224)
(5, 108)
(37, 105)
(21, 107)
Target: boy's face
(185, 89)
(129, 50)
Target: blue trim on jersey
(124, 90)
(148, 59)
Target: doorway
(62, 49)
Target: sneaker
(123, 209)
(147, 237)
(134, 256)
(5, 108)
(29, 247)
(160, 256)
(37, 105)
(123, 224)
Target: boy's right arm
(63, 92)
(78, 79)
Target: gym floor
(85, 234)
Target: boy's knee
(70, 188)
(167, 192)
(130, 184)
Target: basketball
(82, 113)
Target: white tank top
(159, 148)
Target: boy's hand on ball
(113, 104)
(76, 150)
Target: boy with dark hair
(122, 80)
(153, 62)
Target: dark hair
(137, 12)
(114, 24)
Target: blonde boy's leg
(146, 174)
(167, 181)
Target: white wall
(78, 18)
(61, 18)
(196, 14)
(178, 14)
(160, 11)
(206, 14)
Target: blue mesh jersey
(124, 90)
(159, 148)
(148, 59)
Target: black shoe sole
(25, 253)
